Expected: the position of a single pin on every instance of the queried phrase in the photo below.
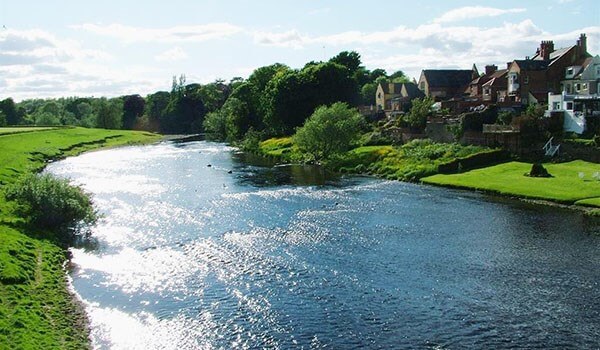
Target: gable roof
(386, 88)
(496, 79)
(532, 64)
(411, 90)
(453, 78)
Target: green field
(36, 309)
(572, 182)
(17, 130)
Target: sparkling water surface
(201, 247)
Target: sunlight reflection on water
(189, 256)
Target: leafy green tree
(348, 59)
(215, 125)
(185, 111)
(330, 130)
(367, 94)
(133, 109)
(420, 109)
(109, 114)
(399, 77)
(2, 119)
(156, 105)
(291, 97)
(46, 119)
(9, 109)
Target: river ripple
(236, 255)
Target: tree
(215, 125)
(420, 109)
(108, 114)
(9, 109)
(330, 130)
(348, 59)
(156, 105)
(133, 108)
(2, 119)
(291, 97)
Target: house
(489, 87)
(393, 97)
(579, 99)
(444, 84)
(530, 80)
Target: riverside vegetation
(36, 309)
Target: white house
(580, 97)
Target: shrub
(53, 204)
(538, 170)
(329, 131)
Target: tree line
(274, 100)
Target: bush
(538, 170)
(329, 131)
(53, 204)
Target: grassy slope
(408, 162)
(36, 309)
(565, 186)
(16, 130)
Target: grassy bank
(572, 182)
(36, 309)
(408, 162)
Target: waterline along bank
(36, 308)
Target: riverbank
(574, 183)
(37, 309)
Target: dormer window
(569, 71)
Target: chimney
(546, 48)
(391, 87)
(490, 69)
(582, 44)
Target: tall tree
(9, 109)
(108, 114)
(133, 108)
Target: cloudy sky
(112, 48)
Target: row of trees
(274, 100)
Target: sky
(114, 48)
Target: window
(526, 80)
(584, 86)
(570, 106)
(379, 95)
(555, 105)
(577, 86)
(422, 86)
(569, 71)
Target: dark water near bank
(242, 256)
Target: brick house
(530, 80)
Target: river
(200, 247)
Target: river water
(241, 255)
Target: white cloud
(171, 55)
(175, 34)
(470, 12)
(290, 38)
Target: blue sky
(112, 48)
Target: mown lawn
(572, 182)
(36, 309)
(28, 152)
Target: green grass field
(36, 309)
(572, 182)
(17, 130)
